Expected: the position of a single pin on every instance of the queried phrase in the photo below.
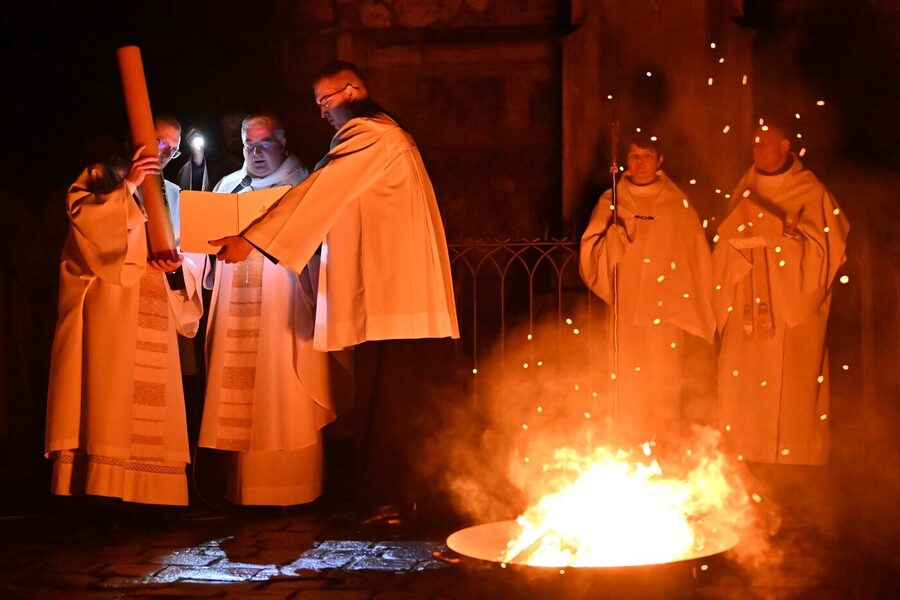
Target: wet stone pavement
(312, 554)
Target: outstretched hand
(234, 248)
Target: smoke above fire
(540, 431)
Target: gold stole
(241, 342)
(148, 417)
(757, 300)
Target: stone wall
(476, 82)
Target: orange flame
(611, 508)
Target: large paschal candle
(160, 235)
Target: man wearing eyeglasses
(115, 413)
(168, 139)
(385, 285)
(267, 394)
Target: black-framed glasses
(166, 150)
(325, 101)
(262, 145)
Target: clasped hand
(142, 166)
(165, 265)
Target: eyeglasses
(325, 101)
(166, 150)
(261, 145)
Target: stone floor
(78, 548)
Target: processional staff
(614, 170)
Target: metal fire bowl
(487, 542)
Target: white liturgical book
(212, 215)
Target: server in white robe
(115, 414)
(268, 393)
(774, 266)
(384, 275)
(653, 267)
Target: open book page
(208, 216)
(253, 205)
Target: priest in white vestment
(115, 415)
(774, 266)
(384, 275)
(652, 266)
(267, 393)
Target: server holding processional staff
(116, 422)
